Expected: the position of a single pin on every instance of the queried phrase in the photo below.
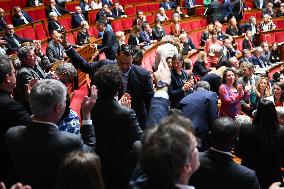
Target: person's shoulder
(140, 70)
(15, 132)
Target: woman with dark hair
(181, 84)
(275, 53)
(233, 29)
(260, 145)
(230, 94)
(80, 170)
(278, 94)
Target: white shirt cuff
(87, 122)
(162, 94)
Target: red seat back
(92, 14)
(40, 31)
(40, 13)
(130, 11)
(127, 23)
(153, 7)
(142, 8)
(117, 25)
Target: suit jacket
(222, 172)
(38, 150)
(171, 5)
(55, 25)
(3, 24)
(12, 113)
(247, 44)
(53, 53)
(109, 45)
(11, 45)
(223, 61)
(117, 13)
(158, 33)
(107, 2)
(145, 37)
(188, 46)
(253, 152)
(258, 61)
(270, 13)
(133, 40)
(214, 80)
(31, 3)
(18, 21)
(214, 12)
(116, 129)
(58, 8)
(83, 38)
(256, 4)
(201, 108)
(248, 26)
(200, 69)
(103, 15)
(76, 20)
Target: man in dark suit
(109, 3)
(215, 12)
(146, 35)
(53, 7)
(217, 165)
(251, 25)
(39, 148)
(3, 21)
(77, 17)
(257, 59)
(201, 108)
(30, 70)
(53, 24)
(109, 43)
(11, 114)
(55, 50)
(13, 41)
(117, 11)
(233, 8)
(32, 3)
(20, 17)
(167, 5)
(259, 4)
(104, 14)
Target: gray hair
(45, 95)
(68, 71)
(52, 14)
(280, 111)
(202, 85)
(24, 51)
(168, 39)
(258, 49)
(243, 120)
(5, 67)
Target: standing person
(263, 142)
(230, 94)
(43, 145)
(277, 94)
(109, 43)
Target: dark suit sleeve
(191, 44)
(17, 21)
(252, 181)
(50, 54)
(27, 16)
(88, 137)
(134, 130)
(158, 110)
(62, 10)
(213, 108)
(201, 69)
(143, 37)
(148, 91)
(20, 115)
(80, 62)
(246, 44)
(107, 42)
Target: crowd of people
(177, 127)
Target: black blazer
(58, 8)
(109, 45)
(83, 38)
(3, 24)
(116, 129)
(76, 20)
(246, 44)
(12, 113)
(222, 172)
(53, 26)
(132, 40)
(200, 69)
(117, 13)
(18, 21)
(38, 149)
(31, 3)
(11, 45)
(266, 161)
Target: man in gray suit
(55, 51)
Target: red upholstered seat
(279, 37)
(150, 19)
(143, 8)
(31, 13)
(169, 14)
(167, 29)
(280, 23)
(153, 7)
(28, 32)
(5, 5)
(130, 11)
(23, 3)
(199, 11)
(75, 33)
(44, 46)
(40, 32)
(94, 31)
(123, 2)
(127, 23)
(65, 21)
(70, 38)
(203, 22)
(71, 5)
(195, 25)
(8, 17)
(258, 15)
(199, 2)
(239, 41)
(186, 26)
(117, 25)
(40, 13)
(268, 37)
(92, 14)
(19, 32)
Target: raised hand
(125, 100)
(88, 103)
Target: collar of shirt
(222, 152)
(182, 186)
(126, 73)
(45, 122)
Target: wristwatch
(161, 84)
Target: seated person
(134, 38)
(167, 5)
(105, 14)
(55, 51)
(233, 29)
(83, 36)
(32, 3)
(158, 30)
(257, 59)
(246, 56)
(228, 49)
(267, 24)
(117, 11)
(53, 7)
(266, 53)
(220, 34)
(147, 35)
(275, 53)
(199, 68)
(161, 16)
(77, 17)
(53, 24)
(207, 34)
(280, 12)
(3, 21)
(248, 42)
(13, 41)
(140, 19)
(20, 17)
(186, 45)
(120, 37)
(178, 10)
(175, 25)
(269, 10)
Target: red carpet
(77, 98)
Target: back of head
(108, 80)
(80, 170)
(223, 133)
(45, 96)
(202, 85)
(66, 72)
(5, 67)
(165, 150)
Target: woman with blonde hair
(199, 68)
(175, 25)
(233, 29)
